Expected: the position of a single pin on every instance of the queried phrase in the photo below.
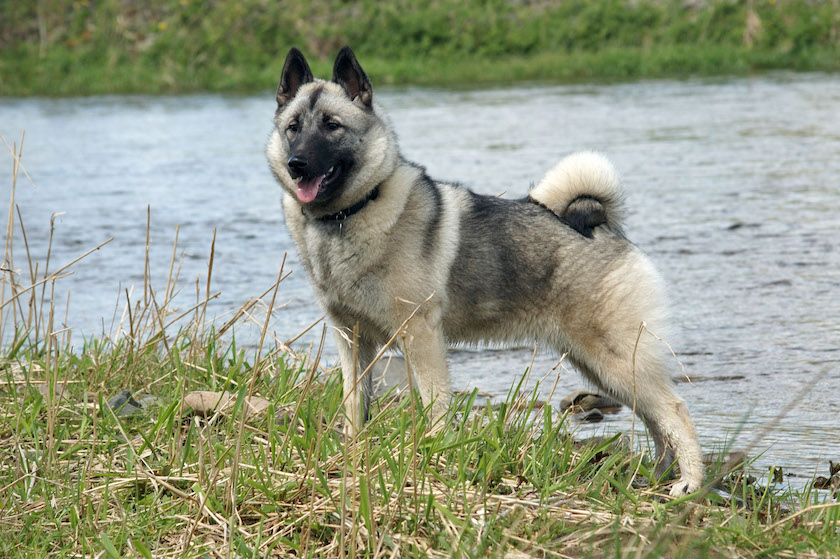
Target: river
(732, 189)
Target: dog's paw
(683, 487)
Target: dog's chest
(341, 268)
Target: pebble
(592, 416)
(204, 402)
(60, 390)
(822, 482)
(124, 404)
(582, 401)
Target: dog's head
(329, 148)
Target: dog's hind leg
(664, 453)
(663, 411)
(673, 433)
(665, 415)
(623, 358)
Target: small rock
(148, 400)
(583, 401)
(827, 483)
(777, 475)
(124, 404)
(592, 416)
(61, 390)
(204, 402)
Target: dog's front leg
(425, 349)
(357, 385)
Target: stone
(582, 401)
(124, 404)
(205, 402)
(827, 483)
(592, 416)
(148, 400)
(60, 390)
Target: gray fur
(555, 269)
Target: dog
(387, 248)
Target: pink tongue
(307, 190)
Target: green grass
(65, 47)
(608, 64)
(499, 481)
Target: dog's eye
(293, 127)
(332, 126)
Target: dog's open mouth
(307, 189)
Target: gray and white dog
(386, 247)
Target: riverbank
(89, 470)
(80, 48)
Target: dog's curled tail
(584, 191)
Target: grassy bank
(64, 47)
(80, 477)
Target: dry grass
(77, 479)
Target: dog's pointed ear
(349, 74)
(296, 72)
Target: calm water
(732, 186)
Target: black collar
(355, 208)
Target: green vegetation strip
(80, 477)
(69, 47)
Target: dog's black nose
(297, 165)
